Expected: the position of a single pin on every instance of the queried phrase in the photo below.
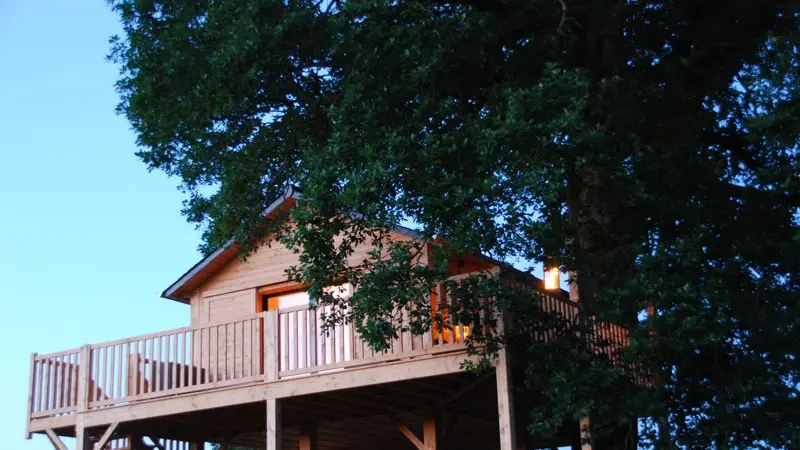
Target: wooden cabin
(252, 368)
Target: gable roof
(181, 289)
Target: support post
(429, 433)
(31, 387)
(273, 428)
(196, 445)
(505, 399)
(308, 438)
(84, 371)
(272, 349)
(82, 439)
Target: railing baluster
(186, 364)
(340, 344)
(312, 333)
(48, 381)
(173, 383)
(242, 347)
(226, 343)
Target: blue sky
(89, 237)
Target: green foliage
(650, 147)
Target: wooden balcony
(276, 354)
(268, 347)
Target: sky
(88, 238)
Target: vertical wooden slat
(140, 351)
(293, 342)
(313, 334)
(224, 359)
(157, 361)
(206, 342)
(440, 331)
(242, 347)
(100, 381)
(340, 344)
(48, 382)
(323, 340)
(148, 385)
(302, 322)
(125, 388)
(252, 349)
(57, 365)
(76, 361)
(186, 350)
(119, 369)
(38, 386)
(111, 374)
(173, 361)
(216, 353)
(271, 337)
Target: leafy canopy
(649, 147)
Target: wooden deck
(277, 354)
(269, 347)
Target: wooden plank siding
(231, 291)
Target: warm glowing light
(551, 278)
(462, 333)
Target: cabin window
(270, 299)
(284, 300)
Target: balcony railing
(268, 346)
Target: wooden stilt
(273, 428)
(429, 433)
(82, 441)
(505, 402)
(308, 438)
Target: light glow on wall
(552, 278)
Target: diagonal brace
(55, 440)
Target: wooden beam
(429, 433)
(356, 377)
(55, 440)
(54, 423)
(411, 436)
(106, 436)
(505, 402)
(273, 426)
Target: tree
(649, 147)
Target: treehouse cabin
(253, 368)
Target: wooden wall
(230, 293)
